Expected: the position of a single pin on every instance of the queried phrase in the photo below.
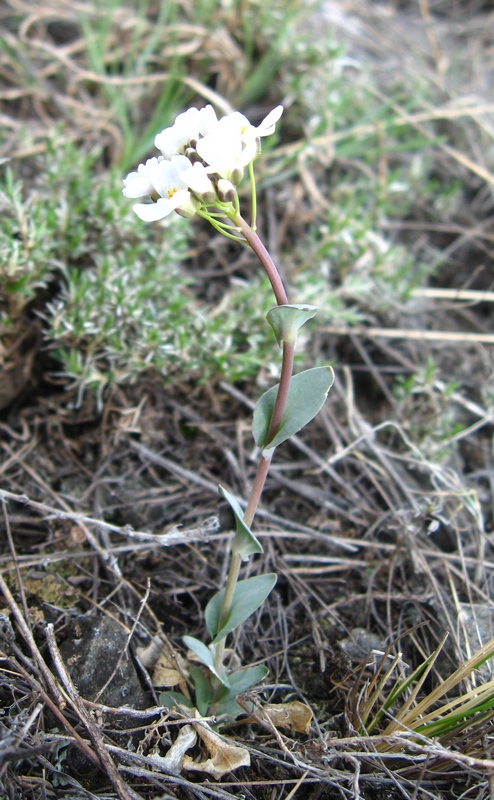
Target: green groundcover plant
(202, 162)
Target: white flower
(240, 125)
(224, 153)
(199, 182)
(188, 127)
(140, 183)
(219, 151)
(163, 179)
(233, 143)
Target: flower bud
(188, 208)
(192, 155)
(199, 182)
(226, 191)
(236, 175)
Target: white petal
(136, 185)
(139, 184)
(165, 142)
(151, 212)
(196, 178)
(220, 150)
(267, 126)
(188, 120)
(235, 120)
(180, 163)
(248, 154)
(208, 120)
(183, 199)
(165, 176)
(186, 128)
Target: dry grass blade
(416, 718)
(421, 336)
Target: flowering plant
(202, 162)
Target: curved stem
(226, 606)
(253, 197)
(258, 486)
(284, 386)
(264, 257)
(279, 406)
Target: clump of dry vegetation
(120, 414)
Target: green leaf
(203, 690)
(248, 596)
(244, 543)
(306, 395)
(174, 699)
(245, 679)
(286, 320)
(226, 707)
(205, 655)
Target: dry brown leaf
(173, 761)
(224, 756)
(295, 715)
(165, 671)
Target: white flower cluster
(202, 161)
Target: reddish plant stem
(255, 495)
(284, 386)
(279, 406)
(265, 259)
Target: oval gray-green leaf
(202, 689)
(240, 682)
(205, 655)
(286, 320)
(245, 543)
(171, 699)
(248, 596)
(306, 396)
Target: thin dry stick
(122, 790)
(16, 563)
(402, 118)
(28, 637)
(57, 713)
(469, 295)
(461, 158)
(124, 652)
(106, 557)
(173, 536)
(403, 333)
(431, 36)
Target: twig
(124, 652)
(404, 333)
(89, 536)
(28, 637)
(174, 536)
(15, 560)
(55, 710)
(462, 295)
(123, 791)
